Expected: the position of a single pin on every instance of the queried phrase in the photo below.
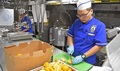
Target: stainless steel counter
(4, 42)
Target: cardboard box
(27, 56)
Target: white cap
(21, 11)
(83, 4)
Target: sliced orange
(69, 69)
(63, 59)
(70, 61)
(65, 68)
(56, 60)
(46, 64)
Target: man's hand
(77, 59)
(18, 28)
(20, 32)
(70, 50)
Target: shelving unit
(109, 13)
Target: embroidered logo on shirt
(92, 29)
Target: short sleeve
(100, 38)
(70, 31)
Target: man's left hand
(77, 59)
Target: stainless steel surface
(58, 36)
(113, 52)
(19, 35)
(3, 43)
(3, 31)
(113, 32)
(6, 17)
(106, 63)
(53, 2)
(115, 60)
(57, 51)
(105, 67)
(65, 18)
(39, 15)
(98, 68)
(1, 69)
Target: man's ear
(91, 11)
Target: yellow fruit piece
(47, 69)
(56, 60)
(41, 70)
(51, 69)
(46, 64)
(63, 59)
(65, 67)
(69, 69)
(70, 61)
(18, 55)
(56, 66)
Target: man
(87, 35)
(25, 20)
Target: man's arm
(27, 26)
(70, 41)
(25, 29)
(18, 28)
(93, 50)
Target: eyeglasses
(83, 15)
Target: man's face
(84, 15)
(22, 15)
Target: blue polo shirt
(87, 35)
(26, 18)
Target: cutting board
(83, 66)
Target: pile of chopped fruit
(56, 66)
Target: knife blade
(70, 59)
(70, 56)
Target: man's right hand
(70, 50)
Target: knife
(70, 56)
(70, 59)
